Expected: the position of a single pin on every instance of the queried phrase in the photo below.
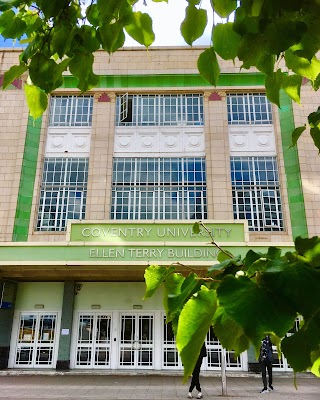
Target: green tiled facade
(27, 179)
(292, 169)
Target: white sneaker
(200, 395)
(189, 395)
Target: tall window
(155, 110)
(249, 108)
(71, 111)
(63, 192)
(159, 188)
(256, 192)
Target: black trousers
(266, 365)
(195, 382)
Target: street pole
(223, 371)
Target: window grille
(249, 108)
(71, 111)
(63, 192)
(159, 188)
(159, 110)
(256, 192)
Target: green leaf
(291, 84)
(61, 39)
(297, 133)
(230, 334)
(41, 71)
(296, 285)
(273, 253)
(140, 28)
(7, 4)
(11, 26)
(281, 33)
(188, 287)
(93, 15)
(244, 302)
(208, 66)
(194, 24)
(302, 66)
(112, 36)
(14, 72)
(251, 50)
(37, 100)
(90, 41)
(81, 67)
(52, 8)
(315, 134)
(273, 85)
(154, 277)
(309, 248)
(196, 228)
(314, 118)
(315, 358)
(226, 41)
(194, 323)
(307, 339)
(224, 8)
(224, 255)
(265, 63)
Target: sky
(167, 18)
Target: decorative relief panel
(64, 142)
(252, 139)
(159, 141)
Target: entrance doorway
(36, 343)
(136, 347)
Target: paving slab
(104, 386)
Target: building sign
(151, 232)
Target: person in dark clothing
(265, 359)
(195, 382)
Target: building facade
(111, 181)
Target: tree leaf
(302, 66)
(273, 85)
(11, 26)
(307, 338)
(154, 276)
(297, 133)
(140, 28)
(112, 36)
(224, 8)
(14, 72)
(37, 100)
(244, 300)
(81, 67)
(230, 334)
(41, 71)
(226, 41)
(291, 84)
(7, 4)
(186, 288)
(194, 24)
(51, 8)
(61, 39)
(194, 323)
(208, 66)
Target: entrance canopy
(121, 250)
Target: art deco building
(111, 181)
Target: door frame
(15, 337)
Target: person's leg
(269, 367)
(264, 373)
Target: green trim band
(167, 81)
(292, 169)
(27, 179)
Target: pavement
(33, 385)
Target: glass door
(136, 347)
(36, 342)
(93, 341)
